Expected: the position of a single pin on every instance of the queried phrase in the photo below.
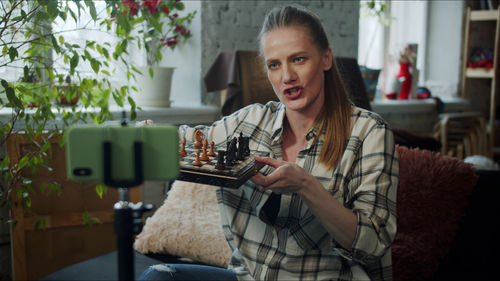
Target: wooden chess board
(232, 177)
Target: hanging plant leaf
(11, 95)
(13, 53)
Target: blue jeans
(187, 272)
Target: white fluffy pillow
(187, 225)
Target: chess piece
(183, 152)
(220, 160)
(204, 156)
(241, 146)
(197, 161)
(246, 150)
(211, 152)
(234, 146)
(198, 135)
(231, 153)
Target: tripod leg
(124, 233)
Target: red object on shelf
(391, 96)
(486, 63)
(404, 76)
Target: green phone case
(85, 152)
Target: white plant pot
(154, 91)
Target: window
(186, 85)
(436, 26)
(82, 32)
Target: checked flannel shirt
(295, 246)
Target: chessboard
(232, 176)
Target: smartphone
(86, 147)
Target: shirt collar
(278, 125)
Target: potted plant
(154, 25)
(36, 94)
(33, 102)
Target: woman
(324, 206)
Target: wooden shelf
(484, 15)
(476, 37)
(480, 73)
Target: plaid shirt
(296, 246)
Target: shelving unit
(482, 30)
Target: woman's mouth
(293, 93)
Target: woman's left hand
(286, 178)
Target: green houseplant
(154, 25)
(50, 80)
(36, 101)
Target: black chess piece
(246, 148)
(240, 155)
(231, 153)
(220, 160)
(234, 147)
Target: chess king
(323, 207)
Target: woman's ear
(327, 59)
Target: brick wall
(234, 25)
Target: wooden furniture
(462, 134)
(65, 240)
(480, 85)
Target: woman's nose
(289, 74)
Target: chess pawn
(211, 152)
(197, 161)
(204, 156)
(183, 152)
(220, 160)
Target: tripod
(128, 216)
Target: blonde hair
(334, 117)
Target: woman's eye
(298, 59)
(272, 65)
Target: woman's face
(295, 67)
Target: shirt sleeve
(372, 195)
